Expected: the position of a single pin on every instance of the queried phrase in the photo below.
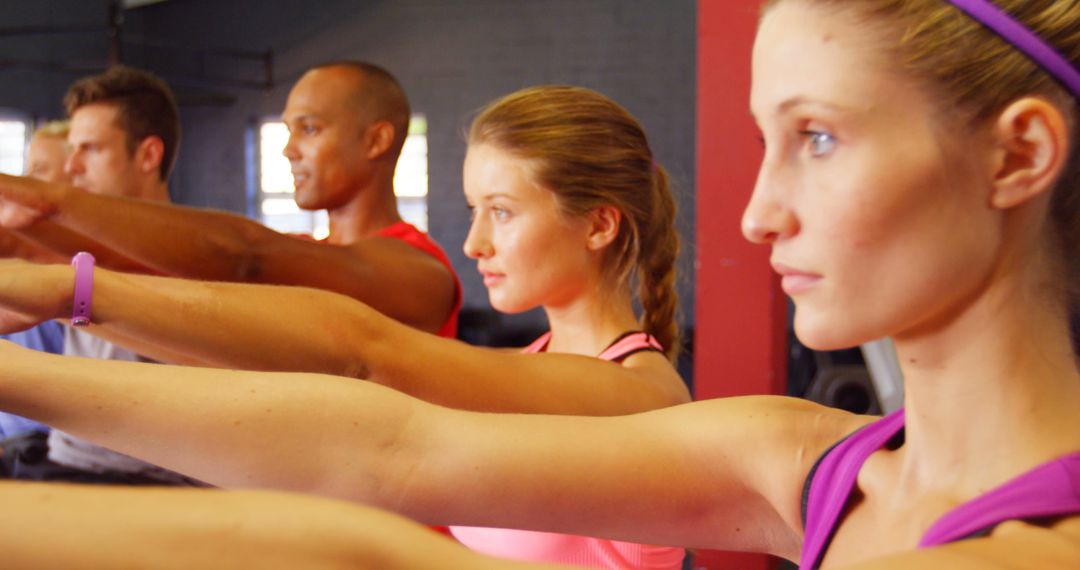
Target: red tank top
(409, 234)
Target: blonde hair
(976, 74)
(590, 152)
(57, 129)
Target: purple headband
(1023, 39)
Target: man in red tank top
(347, 123)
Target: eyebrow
(498, 195)
(790, 103)
(799, 100)
(300, 117)
(490, 196)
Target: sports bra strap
(538, 345)
(628, 343)
(831, 480)
(1050, 490)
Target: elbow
(247, 252)
(678, 395)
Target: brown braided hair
(592, 152)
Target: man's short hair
(145, 107)
(380, 97)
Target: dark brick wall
(451, 56)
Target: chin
(508, 307)
(304, 201)
(823, 335)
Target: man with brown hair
(122, 141)
(347, 124)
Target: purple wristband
(84, 289)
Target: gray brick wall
(451, 56)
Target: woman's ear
(603, 227)
(1033, 143)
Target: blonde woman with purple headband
(920, 181)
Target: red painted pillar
(740, 342)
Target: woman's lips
(795, 284)
(794, 281)
(491, 279)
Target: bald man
(347, 123)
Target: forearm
(456, 375)
(62, 526)
(253, 327)
(228, 428)
(58, 244)
(171, 239)
(14, 245)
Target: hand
(16, 217)
(36, 195)
(31, 293)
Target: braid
(656, 268)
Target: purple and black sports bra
(1049, 490)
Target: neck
(998, 382)
(589, 323)
(371, 209)
(154, 190)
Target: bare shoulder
(391, 253)
(752, 455)
(655, 368)
(1012, 545)
(789, 418)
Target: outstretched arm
(47, 242)
(12, 245)
(687, 475)
(68, 526)
(27, 236)
(289, 328)
(389, 275)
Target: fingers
(30, 193)
(16, 217)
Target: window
(14, 133)
(274, 199)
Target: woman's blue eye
(821, 143)
(500, 213)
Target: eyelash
(498, 212)
(813, 137)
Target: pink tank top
(569, 549)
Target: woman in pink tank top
(920, 180)
(570, 212)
